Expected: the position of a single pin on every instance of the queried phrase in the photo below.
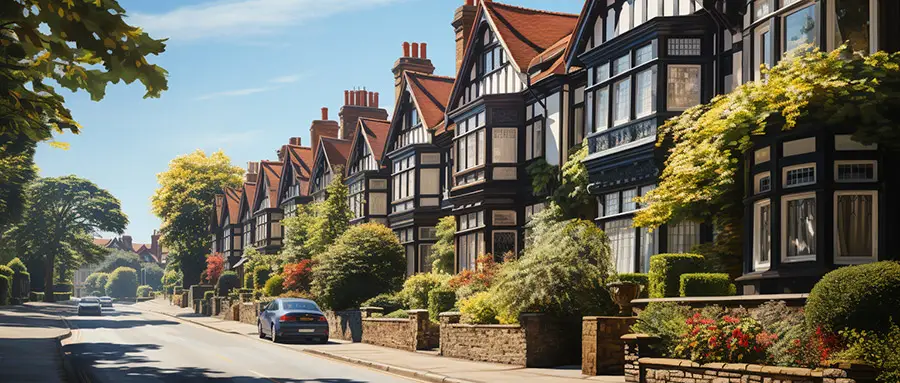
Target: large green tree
(184, 203)
(78, 44)
(333, 216)
(61, 216)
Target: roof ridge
(423, 74)
(546, 12)
(374, 119)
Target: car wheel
(274, 337)
(262, 335)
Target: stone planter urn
(622, 294)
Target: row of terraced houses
(534, 85)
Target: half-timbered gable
(509, 110)
(295, 177)
(331, 156)
(265, 213)
(367, 179)
(232, 230)
(245, 214)
(215, 224)
(417, 153)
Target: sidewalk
(29, 343)
(421, 365)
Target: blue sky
(244, 76)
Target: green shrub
(639, 278)
(227, 281)
(666, 270)
(388, 301)
(416, 288)
(397, 314)
(144, 291)
(96, 293)
(706, 285)
(208, 294)
(478, 309)
(17, 265)
(562, 272)
(365, 261)
(5, 289)
(63, 288)
(61, 297)
(6, 271)
(864, 297)
(122, 283)
(97, 281)
(36, 296)
(440, 300)
(21, 284)
(665, 320)
(274, 286)
(260, 276)
(877, 349)
(248, 280)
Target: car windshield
(299, 306)
(90, 300)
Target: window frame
(831, 26)
(757, 231)
(786, 169)
(756, 182)
(847, 260)
(760, 53)
(669, 68)
(783, 257)
(874, 164)
(782, 20)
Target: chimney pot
(470, 2)
(296, 141)
(365, 98)
(346, 97)
(376, 99)
(424, 51)
(405, 49)
(372, 100)
(415, 50)
(324, 114)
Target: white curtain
(854, 225)
(622, 241)
(801, 227)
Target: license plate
(305, 330)
(305, 319)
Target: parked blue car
(293, 318)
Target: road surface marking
(264, 377)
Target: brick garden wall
(389, 332)
(602, 349)
(486, 343)
(345, 325)
(248, 313)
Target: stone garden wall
(413, 333)
(602, 349)
(344, 325)
(248, 313)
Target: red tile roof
(302, 157)
(430, 94)
(249, 194)
(217, 206)
(555, 53)
(102, 241)
(233, 201)
(336, 150)
(272, 171)
(526, 32)
(376, 131)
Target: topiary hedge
(208, 294)
(863, 297)
(666, 270)
(61, 297)
(5, 289)
(388, 301)
(227, 281)
(440, 300)
(6, 271)
(706, 285)
(248, 280)
(143, 291)
(17, 265)
(122, 282)
(639, 278)
(274, 286)
(260, 276)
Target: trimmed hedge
(274, 286)
(390, 302)
(863, 297)
(122, 282)
(260, 276)
(143, 291)
(666, 270)
(440, 300)
(227, 281)
(36, 296)
(706, 285)
(61, 297)
(248, 280)
(208, 294)
(5, 289)
(398, 314)
(6, 271)
(17, 265)
(639, 278)
(63, 288)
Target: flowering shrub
(468, 282)
(297, 276)
(725, 339)
(215, 264)
(811, 348)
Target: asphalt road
(127, 345)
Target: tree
(96, 282)
(702, 177)
(443, 253)
(297, 230)
(297, 275)
(183, 203)
(60, 216)
(333, 216)
(566, 186)
(365, 261)
(80, 45)
(119, 258)
(215, 265)
(151, 275)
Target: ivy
(567, 186)
(702, 177)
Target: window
(762, 54)
(470, 148)
(602, 73)
(645, 94)
(649, 247)
(425, 257)
(850, 21)
(798, 216)
(601, 109)
(622, 244)
(800, 28)
(762, 183)
(579, 128)
(403, 181)
(855, 171)
(356, 197)
(622, 101)
(855, 226)
(504, 241)
(628, 197)
(468, 248)
(611, 204)
(760, 9)
(683, 236)
(427, 233)
(683, 88)
(761, 156)
(534, 133)
(799, 175)
(622, 64)
(610, 23)
(684, 46)
(643, 55)
(797, 147)
(470, 221)
(845, 142)
(532, 210)
(762, 234)
(410, 259)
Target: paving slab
(30, 338)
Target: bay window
(683, 87)
(534, 132)
(403, 182)
(262, 228)
(470, 148)
(468, 248)
(356, 198)
(645, 93)
(622, 101)
(798, 217)
(504, 241)
(855, 226)
(799, 28)
(762, 234)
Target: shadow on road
(110, 362)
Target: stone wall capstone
(659, 370)
(602, 349)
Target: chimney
(463, 20)
(296, 141)
(423, 50)
(126, 243)
(346, 97)
(154, 245)
(363, 104)
(252, 172)
(414, 63)
(324, 128)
